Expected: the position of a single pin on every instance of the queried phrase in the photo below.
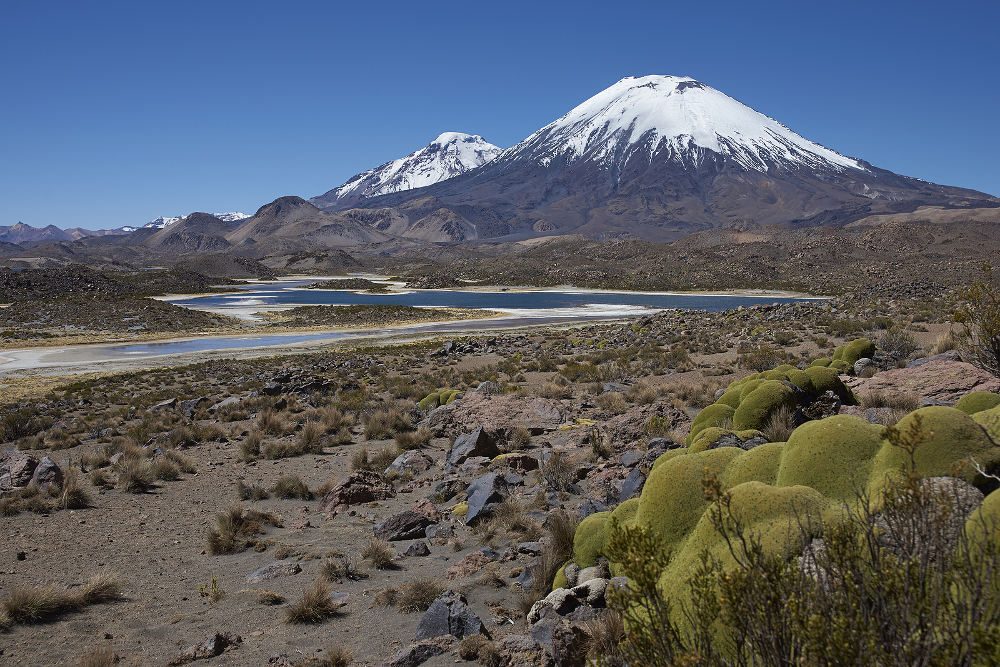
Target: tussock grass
(414, 439)
(418, 594)
(234, 528)
(315, 605)
(379, 553)
(291, 486)
(37, 604)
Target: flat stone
(279, 568)
(484, 494)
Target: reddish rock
(938, 381)
(468, 566)
(361, 486)
(427, 508)
(497, 412)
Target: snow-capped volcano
(166, 221)
(677, 117)
(451, 154)
(651, 157)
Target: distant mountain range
(655, 158)
(650, 158)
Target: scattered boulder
(19, 465)
(47, 473)
(279, 568)
(406, 525)
(480, 442)
(420, 652)
(225, 403)
(168, 404)
(569, 645)
(450, 614)
(214, 646)
(632, 486)
(361, 486)
(418, 549)
(412, 460)
(484, 494)
(943, 381)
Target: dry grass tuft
(379, 553)
(102, 656)
(234, 527)
(315, 605)
(37, 604)
(291, 486)
(418, 594)
(414, 439)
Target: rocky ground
(391, 501)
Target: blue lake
(541, 304)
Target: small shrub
(234, 527)
(102, 656)
(418, 594)
(385, 423)
(414, 439)
(134, 475)
(379, 553)
(250, 448)
(291, 486)
(251, 491)
(315, 605)
(164, 469)
(339, 655)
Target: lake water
(542, 304)
(521, 308)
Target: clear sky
(116, 112)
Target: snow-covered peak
(675, 116)
(166, 221)
(451, 154)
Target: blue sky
(116, 112)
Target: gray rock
(478, 443)
(569, 645)
(164, 405)
(483, 495)
(419, 652)
(572, 574)
(593, 572)
(563, 600)
(47, 473)
(279, 568)
(412, 460)
(20, 466)
(633, 484)
(225, 403)
(530, 548)
(592, 506)
(861, 364)
(450, 614)
(406, 525)
(631, 458)
(591, 592)
(489, 388)
(439, 531)
(189, 406)
(418, 549)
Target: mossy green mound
(833, 456)
(771, 513)
(714, 415)
(759, 405)
(731, 397)
(856, 349)
(977, 401)
(590, 538)
(948, 440)
(440, 397)
(826, 379)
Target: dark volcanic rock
(406, 525)
(361, 486)
(451, 615)
(484, 494)
(480, 442)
